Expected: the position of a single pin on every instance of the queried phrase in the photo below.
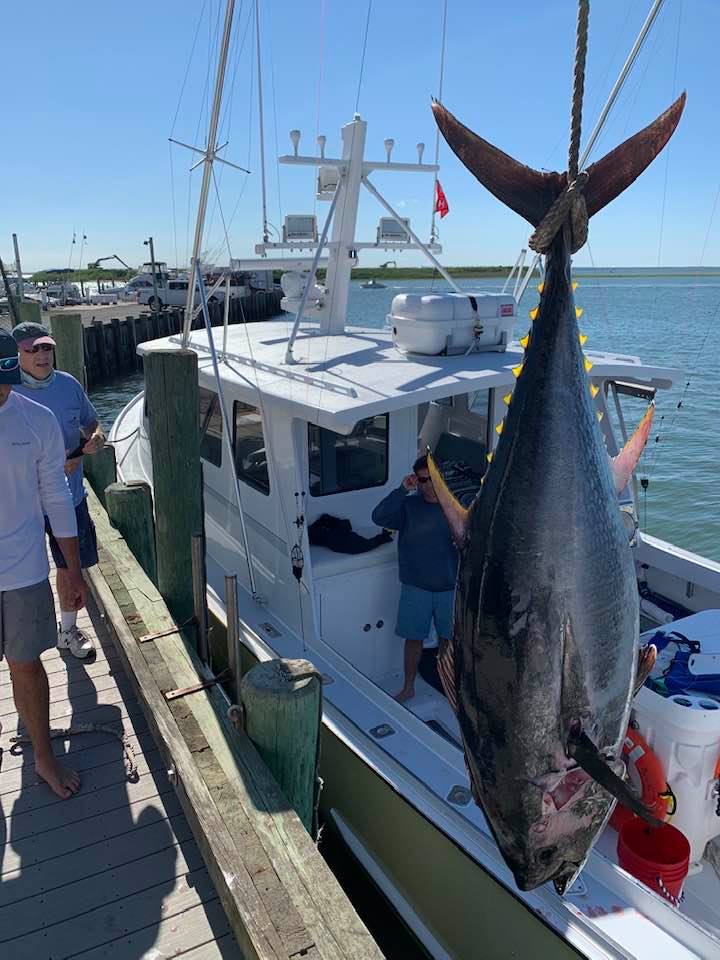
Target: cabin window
(355, 462)
(210, 427)
(249, 445)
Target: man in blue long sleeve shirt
(428, 566)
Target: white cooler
(435, 323)
(684, 732)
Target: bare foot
(407, 693)
(61, 780)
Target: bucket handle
(675, 901)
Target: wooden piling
(67, 332)
(171, 392)
(29, 311)
(100, 470)
(130, 509)
(283, 710)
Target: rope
(77, 728)
(578, 88)
(570, 204)
(362, 60)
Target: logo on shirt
(19, 443)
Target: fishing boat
(309, 416)
(372, 285)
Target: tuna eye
(546, 855)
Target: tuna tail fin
(530, 192)
(584, 752)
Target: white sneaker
(75, 641)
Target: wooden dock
(200, 855)
(114, 871)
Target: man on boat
(61, 393)
(33, 486)
(428, 562)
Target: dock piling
(200, 596)
(283, 711)
(130, 509)
(171, 393)
(67, 332)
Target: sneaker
(75, 641)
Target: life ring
(645, 770)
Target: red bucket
(657, 856)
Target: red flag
(441, 204)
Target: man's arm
(57, 505)
(390, 513)
(90, 425)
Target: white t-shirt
(32, 486)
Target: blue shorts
(417, 610)
(87, 540)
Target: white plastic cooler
(435, 323)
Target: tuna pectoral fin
(455, 513)
(584, 752)
(646, 661)
(624, 463)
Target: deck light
(295, 137)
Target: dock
(114, 871)
(198, 854)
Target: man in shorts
(61, 393)
(33, 485)
(428, 562)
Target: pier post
(171, 393)
(130, 509)
(29, 311)
(101, 471)
(283, 711)
(67, 332)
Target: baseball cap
(29, 333)
(9, 363)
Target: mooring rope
(571, 202)
(77, 728)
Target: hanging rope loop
(570, 205)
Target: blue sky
(91, 92)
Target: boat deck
(114, 871)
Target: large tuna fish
(546, 613)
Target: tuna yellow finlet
(525, 341)
(588, 365)
(579, 311)
(594, 391)
(489, 457)
(600, 415)
(517, 370)
(533, 313)
(499, 428)
(507, 398)
(574, 284)
(583, 339)
(540, 287)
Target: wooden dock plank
(113, 827)
(115, 869)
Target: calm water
(670, 321)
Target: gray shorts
(27, 622)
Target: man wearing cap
(61, 393)
(34, 486)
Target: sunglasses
(9, 363)
(45, 347)
(423, 479)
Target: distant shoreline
(501, 272)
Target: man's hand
(95, 443)
(410, 482)
(72, 465)
(77, 590)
